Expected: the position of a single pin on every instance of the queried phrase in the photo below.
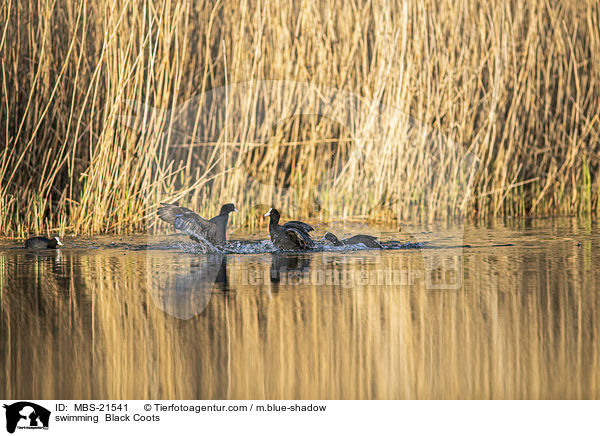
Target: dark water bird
(293, 235)
(41, 243)
(196, 227)
(368, 240)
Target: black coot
(41, 243)
(196, 227)
(293, 235)
(368, 240)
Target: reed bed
(481, 109)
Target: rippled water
(499, 312)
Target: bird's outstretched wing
(299, 225)
(300, 237)
(186, 221)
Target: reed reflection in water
(127, 324)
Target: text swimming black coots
(196, 227)
(293, 235)
(41, 243)
(367, 240)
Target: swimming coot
(41, 243)
(368, 240)
(293, 235)
(196, 227)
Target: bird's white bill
(269, 212)
(58, 241)
(235, 210)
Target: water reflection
(291, 265)
(137, 324)
(185, 294)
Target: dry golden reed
(513, 84)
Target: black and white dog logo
(26, 415)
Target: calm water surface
(152, 317)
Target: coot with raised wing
(293, 235)
(196, 227)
